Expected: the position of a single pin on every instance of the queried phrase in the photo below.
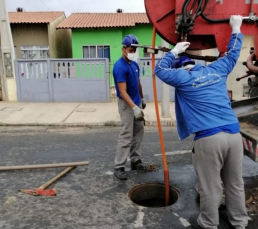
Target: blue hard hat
(129, 40)
(182, 61)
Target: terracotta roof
(33, 17)
(100, 20)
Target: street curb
(107, 123)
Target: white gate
(63, 80)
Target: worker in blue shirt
(130, 104)
(203, 108)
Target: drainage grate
(86, 110)
(152, 195)
(12, 109)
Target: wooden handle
(44, 186)
(43, 166)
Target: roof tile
(33, 17)
(100, 20)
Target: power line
(45, 4)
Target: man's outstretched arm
(228, 62)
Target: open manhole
(152, 195)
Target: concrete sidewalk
(73, 114)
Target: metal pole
(42, 166)
(165, 111)
(2, 82)
(6, 53)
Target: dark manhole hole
(152, 195)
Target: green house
(98, 35)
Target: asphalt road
(90, 196)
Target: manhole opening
(152, 195)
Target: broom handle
(44, 186)
(44, 165)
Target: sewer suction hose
(166, 172)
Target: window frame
(28, 48)
(96, 51)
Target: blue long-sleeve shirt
(201, 98)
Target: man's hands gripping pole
(180, 48)
(235, 23)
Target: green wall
(112, 37)
(102, 36)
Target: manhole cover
(152, 195)
(86, 110)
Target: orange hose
(166, 172)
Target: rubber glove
(138, 114)
(235, 23)
(143, 103)
(180, 47)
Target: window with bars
(96, 51)
(34, 52)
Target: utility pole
(165, 111)
(7, 56)
(1, 76)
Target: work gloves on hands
(235, 23)
(143, 103)
(180, 48)
(138, 114)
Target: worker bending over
(203, 108)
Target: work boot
(194, 223)
(138, 166)
(120, 173)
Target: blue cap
(129, 40)
(182, 61)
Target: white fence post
(50, 80)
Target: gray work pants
(130, 137)
(215, 158)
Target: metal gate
(146, 80)
(63, 80)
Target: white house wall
(236, 86)
(29, 34)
